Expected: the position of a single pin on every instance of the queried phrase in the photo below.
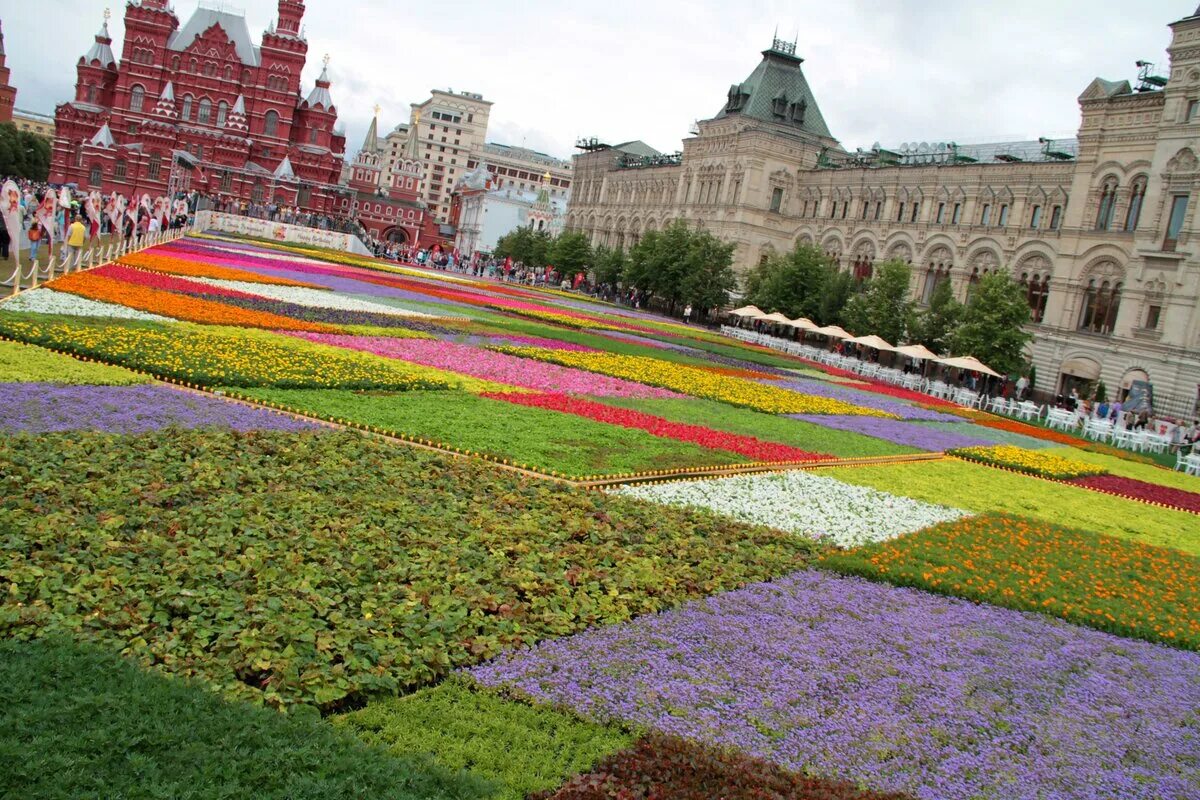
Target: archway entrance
(396, 236)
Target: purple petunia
(49, 408)
(897, 431)
(866, 399)
(894, 689)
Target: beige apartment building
(34, 122)
(1101, 229)
(523, 170)
(450, 127)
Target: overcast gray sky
(645, 69)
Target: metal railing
(23, 279)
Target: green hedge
(318, 568)
(76, 722)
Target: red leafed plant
(1141, 490)
(657, 426)
(666, 768)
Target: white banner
(10, 211)
(279, 232)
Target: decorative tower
(409, 170)
(97, 71)
(364, 172)
(8, 94)
(291, 12)
(541, 213)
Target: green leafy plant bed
(667, 767)
(794, 432)
(320, 568)
(1117, 586)
(79, 722)
(547, 440)
(979, 488)
(517, 747)
(20, 362)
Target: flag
(112, 210)
(10, 210)
(64, 198)
(45, 215)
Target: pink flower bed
(169, 283)
(492, 366)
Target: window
(120, 169)
(131, 129)
(312, 135)
(222, 113)
(271, 123)
(1055, 218)
(175, 64)
(1136, 195)
(186, 114)
(154, 166)
(226, 181)
(1179, 204)
(845, 208)
(204, 112)
(228, 73)
(1003, 221)
(957, 217)
(258, 193)
(941, 214)
(1193, 108)
(985, 217)
(210, 69)
(1037, 292)
(96, 176)
(776, 199)
(1108, 203)
(1152, 316)
(1035, 218)
(192, 65)
(878, 210)
(137, 96)
(865, 206)
(1100, 306)
(91, 93)
(916, 211)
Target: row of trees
(672, 268)
(23, 154)
(806, 283)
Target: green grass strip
(20, 362)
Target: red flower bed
(907, 394)
(657, 426)
(660, 767)
(157, 280)
(1149, 492)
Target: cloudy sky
(626, 69)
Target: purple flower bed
(895, 689)
(515, 340)
(866, 399)
(50, 408)
(897, 431)
(992, 435)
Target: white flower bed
(312, 298)
(805, 504)
(49, 301)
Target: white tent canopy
(969, 363)
(872, 341)
(832, 331)
(917, 351)
(747, 311)
(804, 324)
(776, 317)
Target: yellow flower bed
(1035, 462)
(696, 381)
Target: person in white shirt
(155, 225)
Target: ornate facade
(201, 107)
(1101, 230)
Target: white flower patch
(49, 301)
(803, 503)
(312, 298)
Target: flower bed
(660, 766)
(48, 301)
(346, 321)
(804, 504)
(862, 398)
(139, 295)
(891, 689)
(491, 365)
(1124, 588)
(1034, 462)
(158, 260)
(312, 298)
(516, 747)
(990, 435)
(705, 437)
(910, 434)
(1141, 490)
(45, 408)
(982, 489)
(322, 568)
(21, 362)
(216, 356)
(693, 381)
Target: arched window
(186, 113)
(1137, 193)
(312, 135)
(1101, 303)
(222, 113)
(137, 96)
(204, 112)
(97, 176)
(1037, 292)
(154, 166)
(192, 65)
(228, 73)
(210, 69)
(120, 169)
(1108, 204)
(89, 93)
(175, 64)
(258, 193)
(271, 123)
(226, 180)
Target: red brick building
(201, 107)
(8, 94)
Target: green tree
(836, 293)
(679, 265)
(882, 307)
(37, 155)
(1101, 392)
(791, 283)
(992, 327)
(709, 278)
(608, 265)
(936, 325)
(12, 153)
(571, 253)
(526, 246)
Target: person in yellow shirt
(76, 236)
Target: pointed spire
(101, 49)
(236, 121)
(284, 171)
(371, 142)
(320, 95)
(165, 107)
(412, 148)
(169, 92)
(239, 106)
(103, 137)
